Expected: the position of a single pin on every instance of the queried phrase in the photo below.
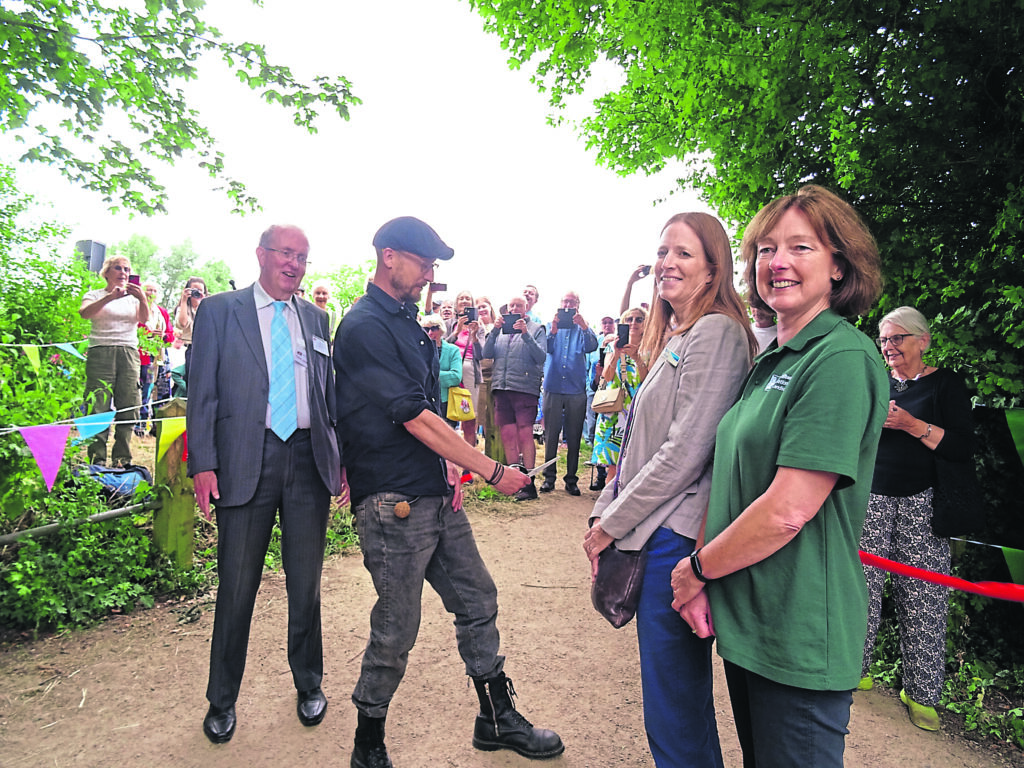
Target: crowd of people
(751, 449)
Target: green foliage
(341, 531)
(40, 292)
(171, 272)
(73, 65)
(347, 284)
(913, 109)
(141, 253)
(83, 572)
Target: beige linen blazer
(664, 474)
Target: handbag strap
(622, 451)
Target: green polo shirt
(818, 402)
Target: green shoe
(866, 683)
(923, 717)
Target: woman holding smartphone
(626, 368)
(185, 315)
(112, 362)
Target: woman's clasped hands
(690, 600)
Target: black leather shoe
(572, 489)
(312, 706)
(219, 723)
(598, 485)
(547, 486)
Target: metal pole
(99, 517)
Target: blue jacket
(565, 371)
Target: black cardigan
(905, 465)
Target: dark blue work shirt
(387, 374)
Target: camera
(470, 314)
(565, 317)
(134, 279)
(645, 270)
(195, 293)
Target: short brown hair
(839, 226)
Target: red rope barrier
(995, 589)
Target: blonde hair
(110, 261)
(641, 310)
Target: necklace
(901, 385)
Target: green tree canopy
(68, 65)
(914, 109)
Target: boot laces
(514, 717)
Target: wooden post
(174, 522)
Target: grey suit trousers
(289, 484)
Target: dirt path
(130, 693)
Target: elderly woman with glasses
(450, 360)
(929, 420)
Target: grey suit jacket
(664, 475)
(228, 386)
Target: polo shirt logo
(778, 383)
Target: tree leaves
(83, 61)
(912, 111)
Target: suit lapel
(249, 325)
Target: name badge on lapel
(670, 357)
(319, 345)
(300, 357)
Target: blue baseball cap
(409, 234)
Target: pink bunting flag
(47, 443)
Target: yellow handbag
(460, 404)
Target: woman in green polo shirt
(792, 473)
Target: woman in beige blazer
(700, 341)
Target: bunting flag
(1015, 420)
(47, 444)
(994, 589)
(71, 350)
(1015, 562)
(93, 424)
(32, 353)
(171, 431)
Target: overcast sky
(446, 132)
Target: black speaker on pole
(93, 253)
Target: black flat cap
(409, 234)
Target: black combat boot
(500, 726)
(370, 751)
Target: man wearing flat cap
(408, 510)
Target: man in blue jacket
(565, 389)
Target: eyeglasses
(289, 254)
(425, 266)
(430, 328)
(896, 339)
(633, 320)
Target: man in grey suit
(261, 441)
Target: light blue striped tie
(283, 412)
